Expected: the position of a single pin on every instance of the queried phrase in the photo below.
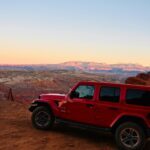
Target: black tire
(130, 136)
(42, 118)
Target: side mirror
(74, 94)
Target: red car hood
(53, 96)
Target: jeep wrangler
(122, 109)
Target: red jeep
(121, 109)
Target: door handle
(113, 108)
(90, 105)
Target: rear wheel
(42, 118)
(130, 136)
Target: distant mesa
(90, 67)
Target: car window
(85, 91)
(138, 97)
(109, 94)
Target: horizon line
(43, 64)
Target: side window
(109, 94)
(85, 91)
(138, 97)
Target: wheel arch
(38, 104)
(134, 119)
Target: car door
(80, 107)
(108, 105)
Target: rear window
(138, 97)
(109, 94)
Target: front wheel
(42, 118)
(130, 136)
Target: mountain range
(90, 67)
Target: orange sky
(37, 32)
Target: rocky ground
(17, 133)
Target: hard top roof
(116, 84)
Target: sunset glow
(44, 32)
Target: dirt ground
(17, 133)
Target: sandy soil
(17, 133)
